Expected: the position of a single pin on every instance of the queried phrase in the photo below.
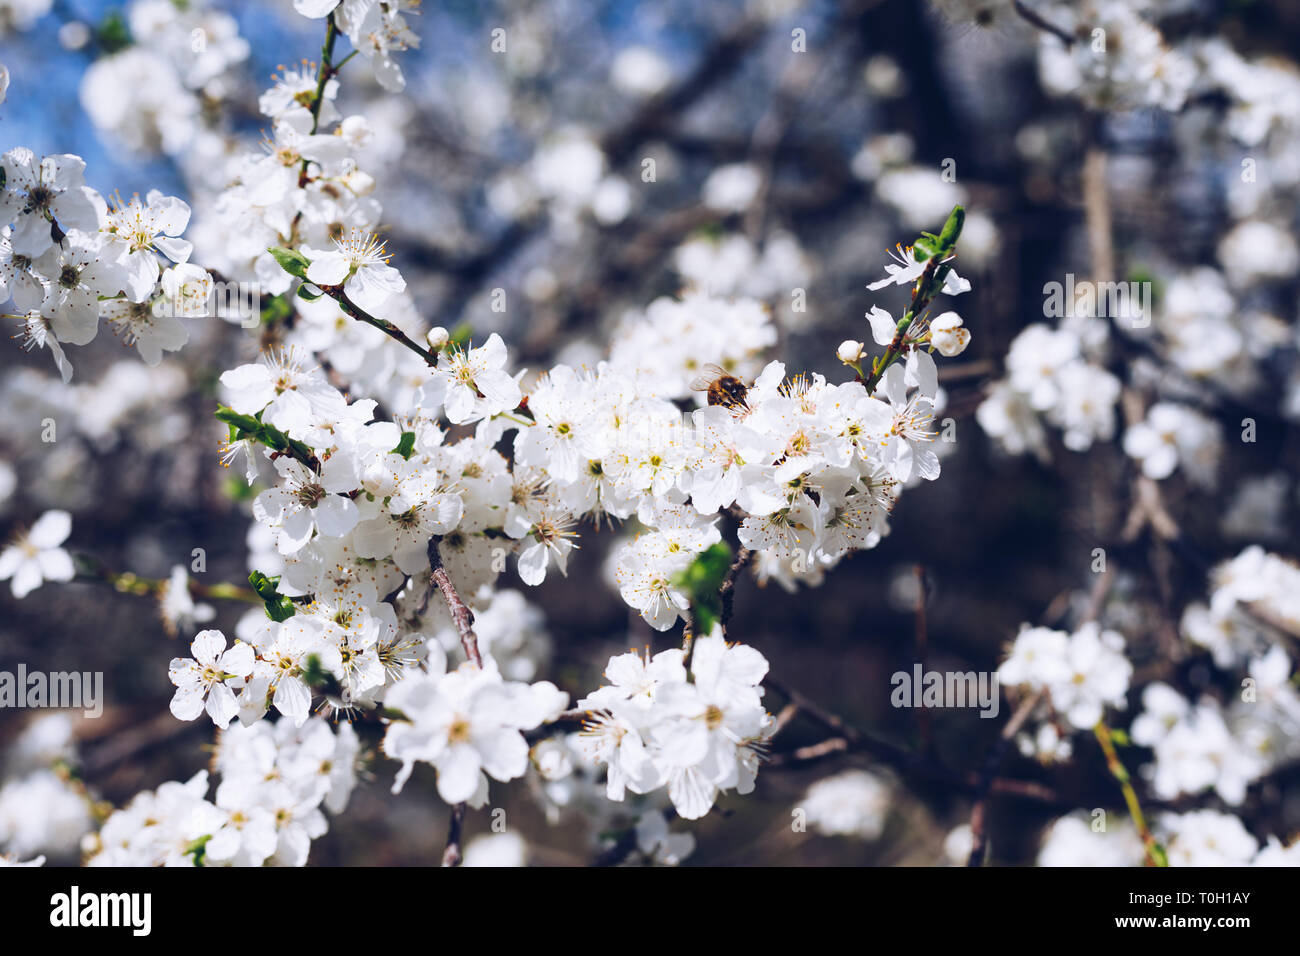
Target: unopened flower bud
(437, 337)
(850, 351)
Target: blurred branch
(921, 638)
(1033, 17)
(452, 856)
(979, 812)
(849, 739)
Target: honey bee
(723, 387)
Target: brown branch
(979, 812)
(460, 611)
(923, 717)
(1033, 17)
(848, 739)
(349, 307)
(727, 593)
(452, 855)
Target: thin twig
(727, 593)
(979, 812)
(1036, 19)
(388, 328)
(460, 611)
(852, 740)
(452, 856)
(923, 716)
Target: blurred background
(792, 145)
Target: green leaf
(237, 489)
(263, 585)
(278, 607)
(461, 334)
(925, 247)
(276, 309)
(701, 580)
(291, 261)
(307, 295)
(315, 676)
(112, 35)
(198, 848)
(951, 230)
(405, 447)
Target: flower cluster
(266, 810)
(1120, 60)
(44, 810)
(852, 803)
(1082, 673)
(393, 480)
(377, 31)
(1053, 374)
(67, 260)
(468, 723)
(697, 732)
(150, 96)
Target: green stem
(1155, 853)
(922, 295)
(323, 74)
(324, 71)
(127, 582)
(388, 328)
